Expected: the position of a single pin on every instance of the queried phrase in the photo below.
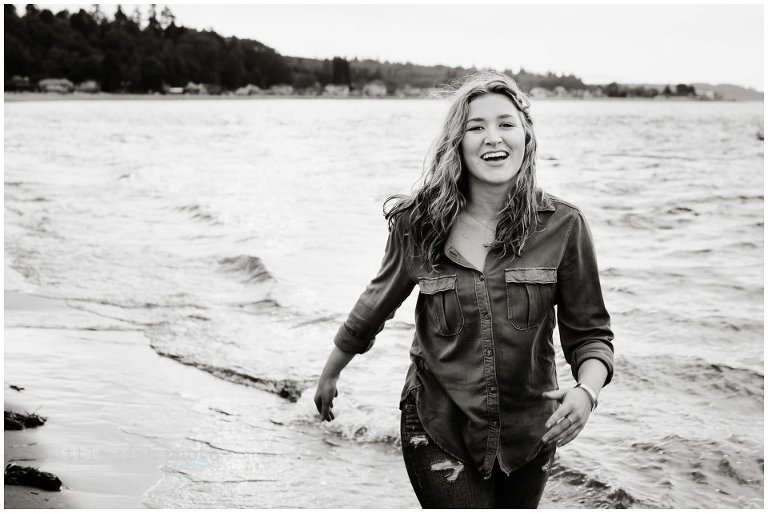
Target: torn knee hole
(454, 468)
(419, 440)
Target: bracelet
(590, 392)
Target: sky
(651, 43)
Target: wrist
(330, 375)
(590, 393)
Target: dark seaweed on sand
(29, 476)
(15, 421)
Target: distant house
(88, 86)
(576, 93)
(337, 90)
(408, 91)
(175, 90)
(561, 92)
(281, 90)
(248, 90)
(539, 92)
(192, 88)
(375, 89)
(56, 85)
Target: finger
(318, 404)
(559, 430)
(324, 411)
(336, 393)
(554, 394)
(569, 435)
(555, 433)
(558, 414)
(331, 416)
(569, 429)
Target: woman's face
(494, 140)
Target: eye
(474, 128)
(507, 124)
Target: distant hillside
(732, 92)
(726, 91)
(358, 72)
(396, 75)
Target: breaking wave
(250, 268)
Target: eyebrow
(500, 117)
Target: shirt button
(485, 315)
(489, 352)
(492, 390)
(482, 277)
(494, 423)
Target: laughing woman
(496, 261)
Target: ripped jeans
(441, 481)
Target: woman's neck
(486, 201)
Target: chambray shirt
(482, 353)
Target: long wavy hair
(436, 203)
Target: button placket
(489, 370)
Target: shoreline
(12, 97)
(22, 447)
(68, 444)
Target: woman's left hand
(569, 418)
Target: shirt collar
(544, 201)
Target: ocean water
(237, 234)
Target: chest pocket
(530, 295)
(441, 301)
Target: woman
(492, 255)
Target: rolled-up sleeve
(584, 323)
(381, 298)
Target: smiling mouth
(494, 156)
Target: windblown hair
(435, 205)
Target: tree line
(126, 54)
(615, 90)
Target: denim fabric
(483, 352)
(441, 481)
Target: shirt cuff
(598, 351)
(349, 343)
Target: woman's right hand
(326, 387)
(326, 391)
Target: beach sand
(74, 399)
(97, 387)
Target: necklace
(493, 229)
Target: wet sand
(75, 441)
(96, 386)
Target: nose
(492, 136)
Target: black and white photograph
(384, 255)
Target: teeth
(494, 155)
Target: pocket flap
(437, 284)
(531, 275)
